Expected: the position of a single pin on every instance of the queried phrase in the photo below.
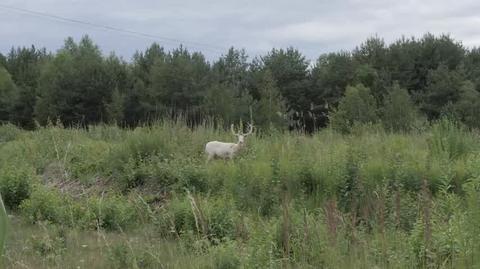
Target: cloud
(313, 26)
(320, 31)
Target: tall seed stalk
(3, 230)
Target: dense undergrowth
(145, 198)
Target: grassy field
(113, 198)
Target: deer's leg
(209, 158)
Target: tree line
(397, 84)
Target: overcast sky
(211, 26)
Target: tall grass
(364, 200)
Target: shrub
(226, 256)
(88, 159)
(45, 205)
(191, 176)
(112, 212)
(221, 218)
(216, 215)
(179, 214)
(16, 185)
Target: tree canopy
(79, 85)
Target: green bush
(16, 185)
(88, 159)
(217, 216)
(221, 218)
(179, 214)
(191, 176)
(45, 204)
(226, 256)
(113, 212)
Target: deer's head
(241, 136)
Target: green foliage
(8, 95)
(87, 159)
(80, 86)
(169, 87)
(25, 66)
(45, 204)
(226, 256)
(112, 212)
(221, 102)
(180, 216)
(398, 112)
(467, 108)
(331, 75)
(443, 87)
(270, 109)
(146, 198)
(357, 107)
(449, 139)
(231, 70)
(8, 132)
(141, 145)
(16, 185)
(373, 51)
(213, 218)
(115, 108)
(75, 85)
(108, 212)
(3, 60)
(369, 77)
(289, 70)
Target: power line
(115, 29)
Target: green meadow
(106, 197)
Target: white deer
(227, 150)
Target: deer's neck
(236, 147)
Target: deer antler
(250, 130)
(233, 130)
